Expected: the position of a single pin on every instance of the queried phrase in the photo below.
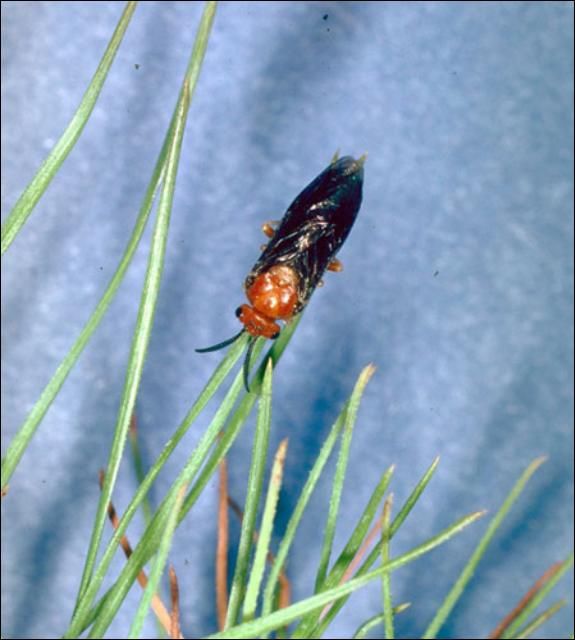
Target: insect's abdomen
(314, 227)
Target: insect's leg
(335, 265)
(268, 227)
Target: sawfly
(301, 248)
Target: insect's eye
(238, 312)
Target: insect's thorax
(273, 295)
(274, 292)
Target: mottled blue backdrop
(458, 280)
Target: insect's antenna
(251, 342)
(221, 345)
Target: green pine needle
(386, 576)
(312, 625)
(339, 478)
(159, 563)
(33, 192)
(141, 338)
(539, 620)
(254, 490)
(513, 629)
(376, 621)
(262, 548)
(469, 569)
(298, 512)
(283, 617)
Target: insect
(301, 248)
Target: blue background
(458, 280)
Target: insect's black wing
(315, 225)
